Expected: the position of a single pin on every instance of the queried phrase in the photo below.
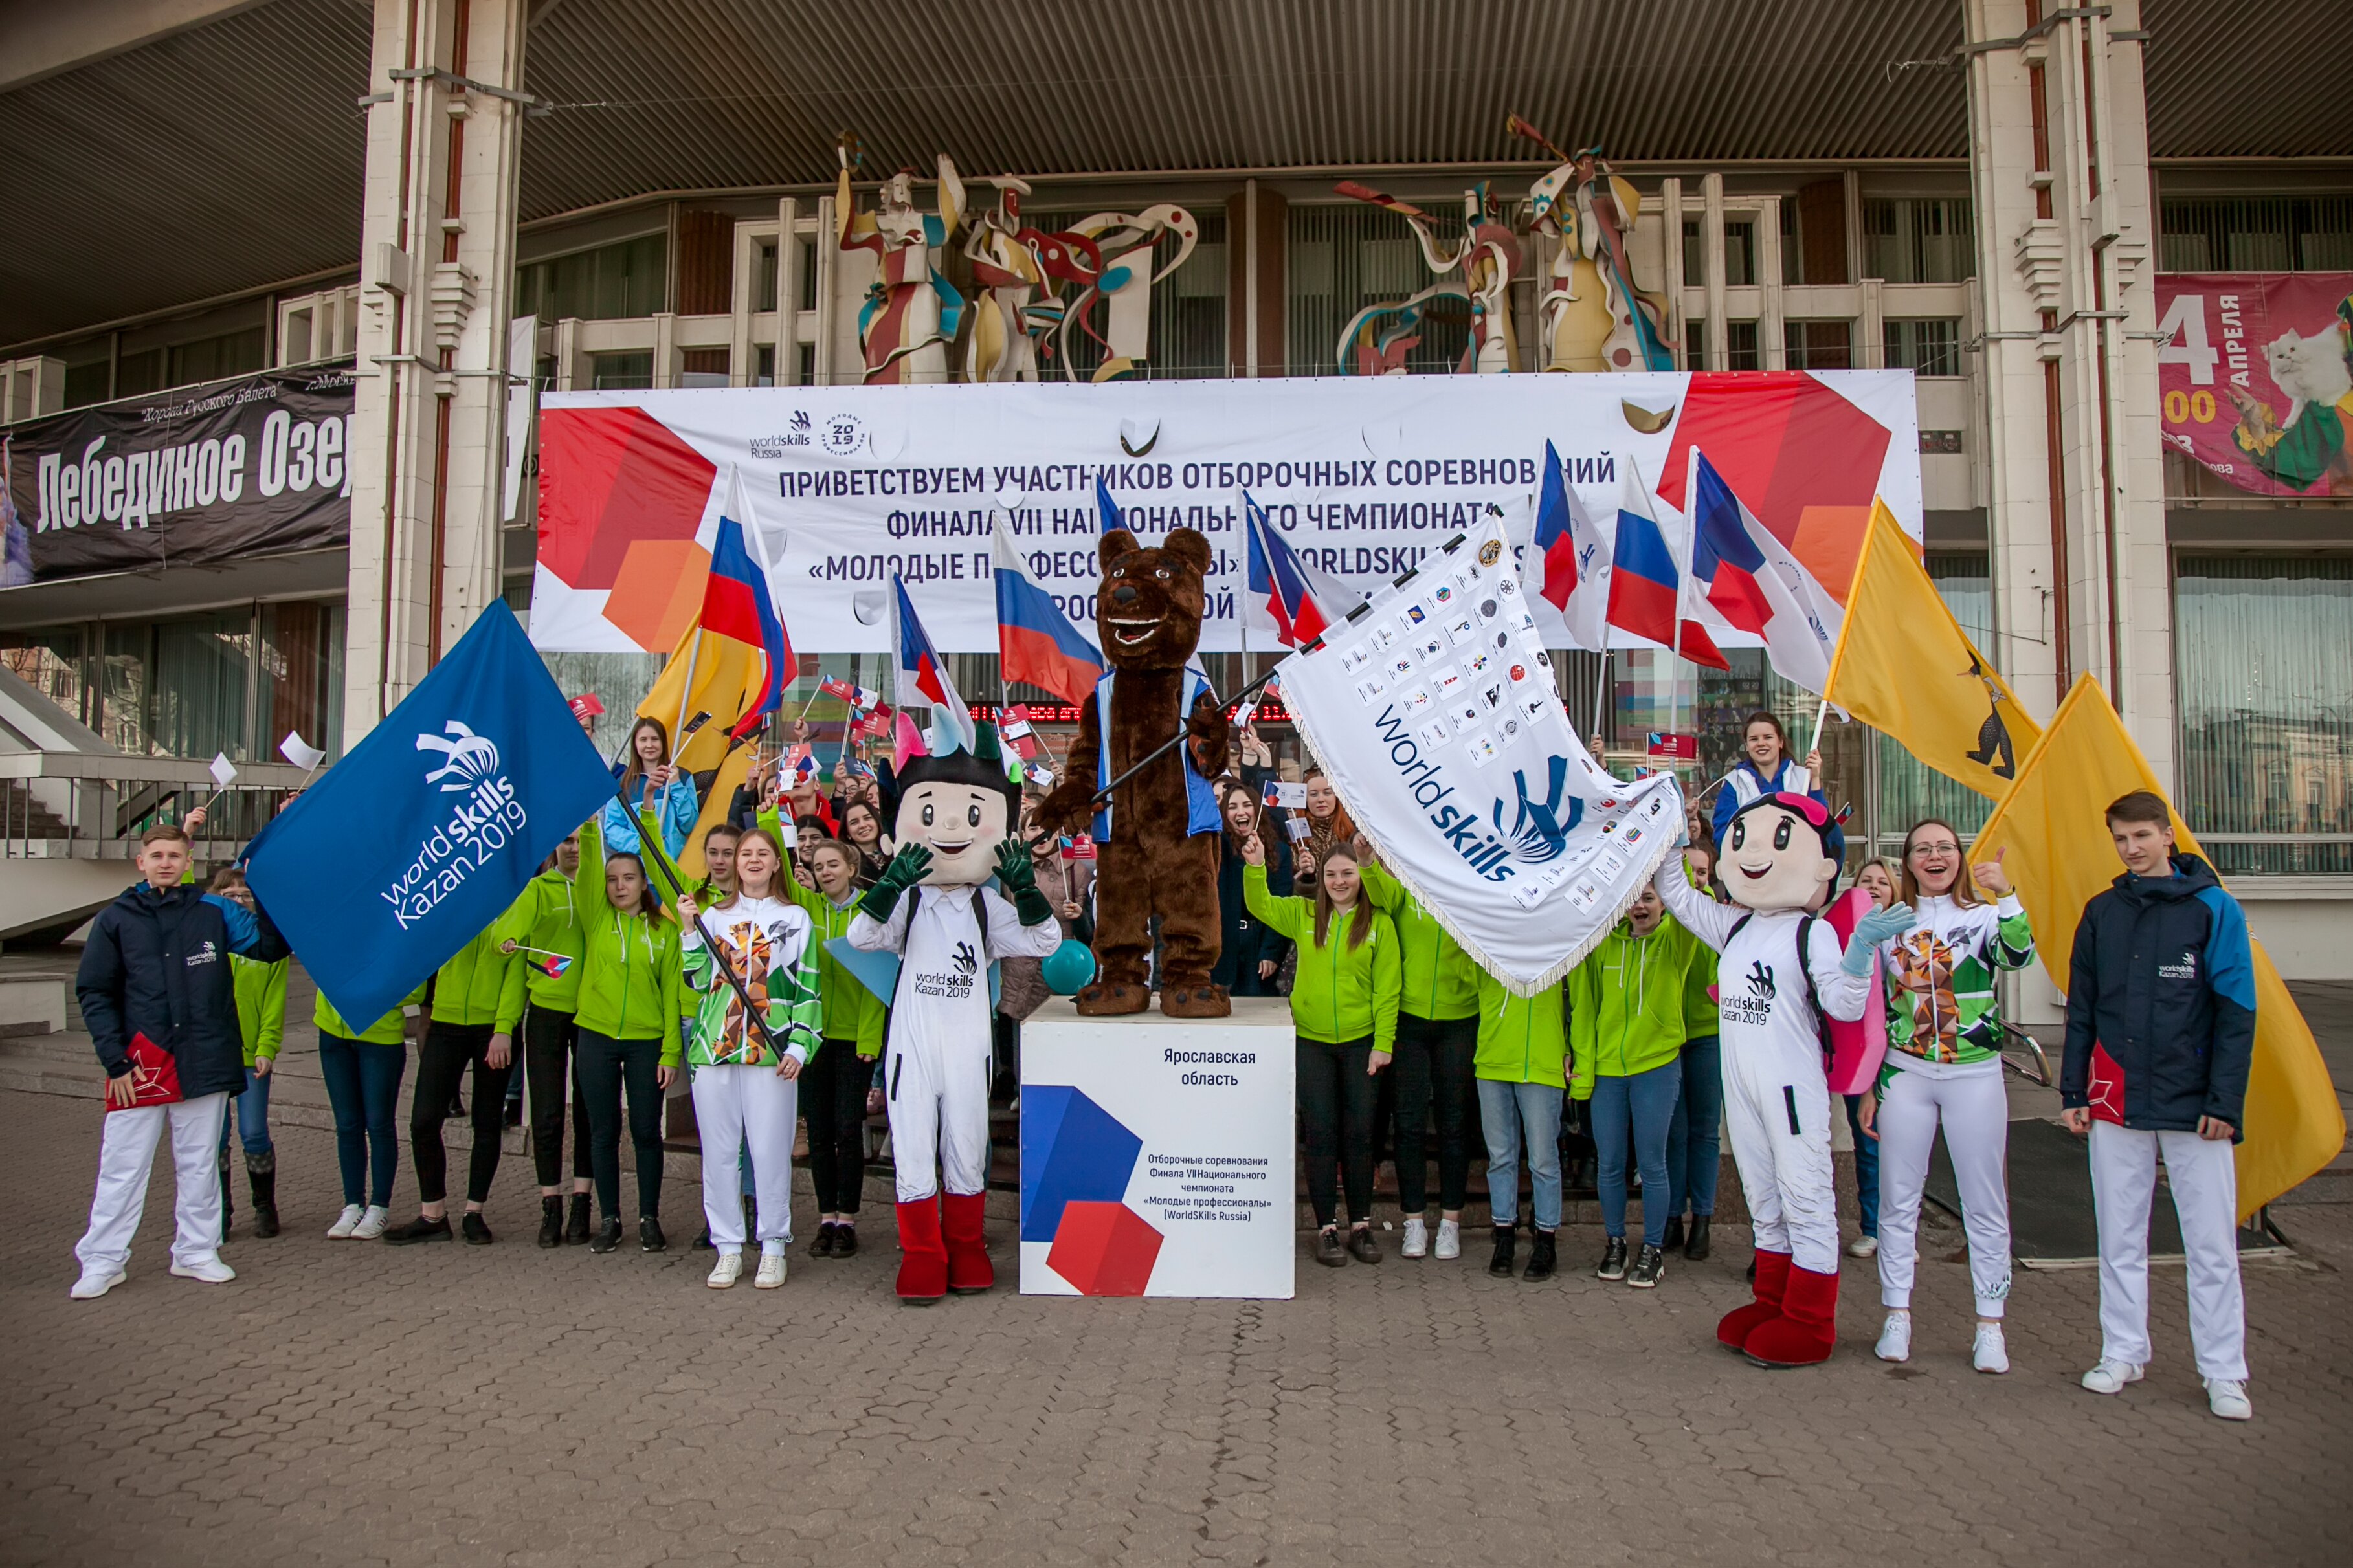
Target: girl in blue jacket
(650, 784)
(1764, 769)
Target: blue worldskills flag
(425, 833)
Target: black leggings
(833, 1099)
(441, 1063)
(1434, 1064)
(550, 1065)
(1336, 1101)
(605, 1064)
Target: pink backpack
(1856, 1050)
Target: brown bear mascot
(1159, 835)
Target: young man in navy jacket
(2160, 1031)
(156, 966)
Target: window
(1739, 252)
(302, 657)
(1818, 345)
(765, 371)
(1740, 351)
(763, 278)
(2262, 663)
(1694, 255)
(51, 662)
(1908, 789)
(809, 274)
(1695, 342)
(1927, 347)
(612, 280)
(1339, 261)
(1918, 239)
(620, 372)
(1186, 337)
(2257, 234)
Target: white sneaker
(2228, 1398)
(726, 1271)
(371, 1222)
(1449, 1239)
(92, 1285)
(1416, 1238)
(1895, 1339)
(212, 1271)
(345, 1223)
(1990, 1352)
(2110, 1376)
(1863, 1246)
(772, 1271)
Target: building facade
(1997, 196)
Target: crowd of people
(1405, 1045)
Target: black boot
(1674, 1237)
(261, 1174)
(1695, 1248)
(845, 1239)
(1540, 1257)
(1506, 1240)
(551, 1221)
(576, 1228)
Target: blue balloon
(1070, 968)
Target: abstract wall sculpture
(1592, 317)
(912, 313)
(1121, 245)
(1014, 301)
(1488, 255)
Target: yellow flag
(731, 773)
(1904, 667)
(726, 677)
(2053, 823)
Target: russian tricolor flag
(1574, 559)
(1753, 584)
(737, 602)
(1304, 602)
(1644, 582)
(924, 674)
(1035, 641)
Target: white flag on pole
(300, 752)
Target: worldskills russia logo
(468, 757)
(1076, 1162)
(1538, 830)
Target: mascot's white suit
(1781, 969)
(952, 813)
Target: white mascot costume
(952, 814)
(1780, 970)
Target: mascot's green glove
(1017, 874)
(906, 869)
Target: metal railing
(93, 806)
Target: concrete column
(437, 276)
(2059, 169)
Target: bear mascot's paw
(1198, 1002)
(1113, 1001)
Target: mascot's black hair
(983, 767)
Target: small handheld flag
(552, 964)
(923, 675)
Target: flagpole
(686, 692)
(1822, 717)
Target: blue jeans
(1647, 1101)
(1696, 1132)
(1504, 1110)
(1866, 1165)
(252, 1116)
(363, 1087)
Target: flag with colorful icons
(1434, 712)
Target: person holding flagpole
(654, 787)
(545, 927)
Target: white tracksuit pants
(2204, 1175)
(1776, 1106)
(936, 1092)
(735, 1106)
(126, 1155)
(1968, 1099)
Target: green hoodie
(631, 967)
(1438, 981)
(384, 1031)
(479, 984)
(1627, 1002)
(852, 1013)
(1341, 993)
(1702, 1017)
(260, 1005)
(547, 917)
(1521, 1039)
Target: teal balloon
(1069, 969)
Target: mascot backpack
(1856, 1050)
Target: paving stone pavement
(350, 1403)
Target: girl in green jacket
(1522, 1063)
(547, 922)
(477, 1003)
(1626, 1032)
(362, 1068)
(261, 1020)
(1344, 1004)
(834, 1084)
(1437, 1034)
(631, 1007)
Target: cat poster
(2254, 377)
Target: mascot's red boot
(922, 1255)
(1807, 1330)
(1772, 1280)
(970, 1270)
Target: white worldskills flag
(1434, 714)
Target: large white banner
(1434, 713)
(1157, 1155)
(1365, 476)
